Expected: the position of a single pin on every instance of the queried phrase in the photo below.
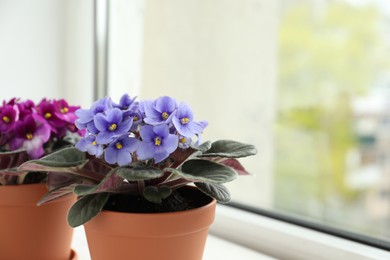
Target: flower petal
(170, 143)
(124, 157)
(110, 155)
(145, 150)
(100, 122)
(161, 130)
(147, 133)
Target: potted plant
(132, 173)
(30, 131)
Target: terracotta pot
(33, 232)
(143, 236)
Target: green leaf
(109, 183)
(230, 149)
(204, 146)
(86, 208)
(67, 157)
(157, 194)
(56, 193)
(217, 191)
(139, 173)
(84, 189)
(205, 171)
(12, 159)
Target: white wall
(220, 57)
(44, 51)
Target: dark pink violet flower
(31, 134)
(9, 114)
(47, 110)
(65, 112)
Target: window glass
(306, 81)
(332, 133)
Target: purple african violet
(157, 143)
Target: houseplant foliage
(30, 131)
(146, 149)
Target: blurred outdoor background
(332, 129)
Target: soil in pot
(180, 200)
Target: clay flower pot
(149, 236)
(33, 232)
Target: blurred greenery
(327, 56)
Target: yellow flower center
(184, 120)
(157, 141)
(47, 115)
(64, 110)
(183, 140)
(29, 136)
(112, 127)
(135, 118)
(94, 143)
(165, 115)
(6, 119)
(118, 146)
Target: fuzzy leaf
(205, 171)
(12, 159)
(156, 194)
(139, 173)
(56, 193)
(204, 147)
(110, 182)
(90, 170)
(230, 149)
(57, 179)
(67, 157)
(236, 165)
(86, 208)
(217, 191)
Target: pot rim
(25, 194)
(164, 224)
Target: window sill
(286, 241)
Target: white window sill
(286, 241)
(216, 248)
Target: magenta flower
(120, 150)
(31, 134)
(65, 112)
(9, 114)
(47, 110)
(26, 108)
(157, 143)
